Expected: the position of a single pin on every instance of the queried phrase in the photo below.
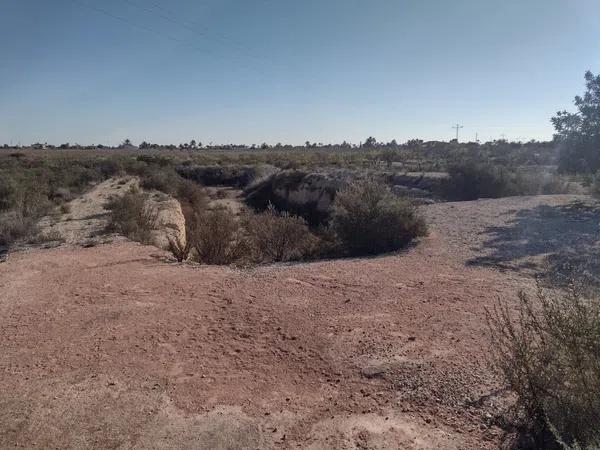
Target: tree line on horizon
(576, 140)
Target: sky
(253, 71)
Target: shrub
(216, 237)
(472, 180)
(369, 219)
(548, 355)
(178, 248)
(132, 216)
(110, 167)
(15, 226)
(159, 178)
(192, 194)
(276, 236)
(7, 194)
(550, 184)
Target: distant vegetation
(471, 180)
(34, 182)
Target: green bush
(578, 134)
(472, 180)
(369, 219)
(548, 355)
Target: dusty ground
(83, 221)
(113, 347)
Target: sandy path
(86, 218)
(111, 347)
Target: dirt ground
(116, 347)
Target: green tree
(370, 142)
(579, 133)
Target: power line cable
(190, 25)
(159, 33)
(246, 51)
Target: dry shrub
(133, 217)
(217, 238)
(178, 248)
(192, 193)
(369, 219)
(14, 226)
(8, 191)
(549, 356)
(471, 180)
(276, 236)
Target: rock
(375, 369)
(170, 223)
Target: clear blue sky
(98, 71)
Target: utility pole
(457, 127)
(477, 138)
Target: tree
(126, 142)
(370, 142)
(579, 133)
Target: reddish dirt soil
(113, 347)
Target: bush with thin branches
(278, 236)
(549, 355)
(133, 216)
(369, 219)
(216, 237)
